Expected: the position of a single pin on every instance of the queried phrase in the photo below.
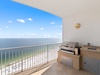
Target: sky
(21, 21)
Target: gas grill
(69, 47)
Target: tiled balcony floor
(56, 68)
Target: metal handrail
(27, 46)
(24, 57)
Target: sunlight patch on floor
(41, 71)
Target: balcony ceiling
(63, 8)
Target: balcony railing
(18, 59)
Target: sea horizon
(18, 42)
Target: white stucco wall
(89, 30)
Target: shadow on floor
(56, 68)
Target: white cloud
(0, 29)
(33, 34)
(23, 35)
(52, 22)
(10, 21)
(55, 36)
(42, 28)
(7, 26)
(21, 20)
(30, 19)
(61, 26)
(59, 34)
(46, 35)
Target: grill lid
(69, 45)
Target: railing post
(12, 60)
(47, 54)
(5, 63)
(22, 61)
(1, 62)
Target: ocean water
(16, 42)
(14, 54)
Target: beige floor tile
(57, 69)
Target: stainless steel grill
(69, 47)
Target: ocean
(16, 42)
(12, 54)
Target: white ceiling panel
(63, 8)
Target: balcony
(34, 60)
(54, 68)
(19, 59)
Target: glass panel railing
(13, 60)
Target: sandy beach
(29, 62)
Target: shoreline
(29, 62)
